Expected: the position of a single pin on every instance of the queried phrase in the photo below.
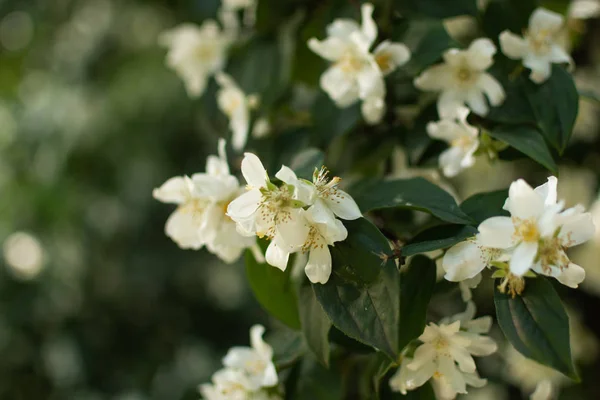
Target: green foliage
(438, 237)
(482, 206)
(528, 141)
(414, 194)
(437, 8)
(274, 290)
(537, 325)
(315, 324)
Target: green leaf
(528, 141)
(438, 237)
(555, 104)
(417, 283)
(288, 346)
(315, 324)
(537, 325)
(482, 206)
(274, 290)
(415, 194)
(437, 8)
(366, 311)
(358, 258)
(516, 108)
(318, 383)
(331, 121)
(305, 162)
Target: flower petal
(390, 56)
(492, 89)
(253, 170)
(571, 276)
(373, 108)
(496, 232)
(318, 268)
(258, 344)
(524, 203)
(277, 256)
(341, 87)
(331, 49)
(436, 78)
(343, 205)
(175, 190)
(543, 20)
(245, 205)
(463, 261)
(513, 46)
(523, 257)
(548, 191)
(480, 54)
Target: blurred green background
(95, 301)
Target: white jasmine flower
(462, 79)
(538, 48)
(256, 361)
(356, 73)
(196, 53)
(543, 391)
(446, 356)
(24, 255)
(462, 138)
(238, 4)
(236, 106)
(227, 384)
(271, 211)
(261, 128)
(200, 217)
(539, 232)
(467, 259)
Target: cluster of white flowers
(198, 52)
(445, 356)
(462, 80)
(356, 73)
(249, 373)
(297, 215)
(202, 200)
(533, 239)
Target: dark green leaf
(274, 290)
(315, 324)
(537, 325)
(288, 346)
(555, 104)
(437, 8)
(417, 283)
(318, 383)
(427, 40)
(305, 162)
(482, 206)
(528, 141)
(438, 237)
(358, 258)
(367, 312)
(330, 120)
(415, 194)
(516, 108)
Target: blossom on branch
(538, 48)
(462, 79)
(356, 73)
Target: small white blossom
(538, 232)
(227, 384)
(236, 106)
(446, 356)
(256, 361)
(200, 216)
(356, 73)
(238, 4)
(467, 259)
(538, 48)
(462, 138)
(196, 53)
(269, 211)
(462, 79)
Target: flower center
(314, 240)
(465, 76)
(273, 209)
(462, 142)
(551, 253)
(527, 231)
(512, 284)
(541, 41)
(205, 52)
(255, 366)
(194, 206)
(350, 64)
(384, 60)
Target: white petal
(543, 20)
(474, 380)
(340, 87)
(463, 261)
(559, 55)
(513, 46)
(343, 205)
(548, 191)
(492, 89)
(543, 391)
(175, 190)
(320, 213)
(446, 130)
(541, 68)
(238, 356)
(285, 174)
(373, 108)
(370, 82)
(482, 345)
(524, 202)
(451, 103)
(258, 344)
(245, 205)
(318, 268)
(436, 78)
(480, 54)
(368, 27)
(277, 256)
(452, 375)
(390, 56)
(463, 358)
(453, 160)
(571, 276)
(330, 49)
(293, 230)
(424, 355)
(239, 125)
(523, 257)
(183, 228)
(253, 170)
(343, 28)
(476, 101)
(496, 232)
(577, 229)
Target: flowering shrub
(370, 283)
